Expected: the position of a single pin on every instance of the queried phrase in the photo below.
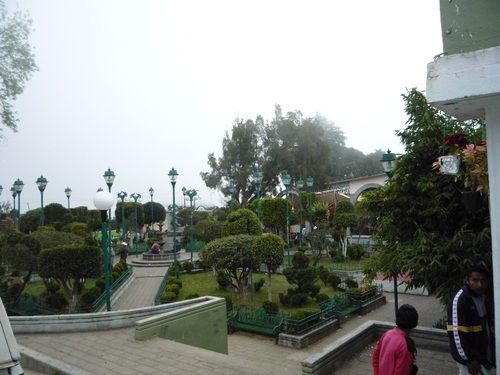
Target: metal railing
(101, 300)
(161, 288)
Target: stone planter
(360, 296)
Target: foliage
(318, 243)
(321, 297)
(204, 230)
(350, 283)
(48, 237)
(257, 285)
(270, 307)
(303, 277)
(70, 265)
(321, 213)
(129, 209)
(29, 221)
(167, 296)
(355, 251)
(233, 257)
(270, 248)
(241, 154)
(273, 213)
(18, 62)
(54, 212)
(301, 314)
(334, 281)
(159, 212)
(423, 229)
(77, 228)
(242, 221)
(345, 217)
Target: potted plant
(450, 164)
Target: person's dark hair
(478, 269)
(407, 317)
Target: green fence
(101, 300)
(161, 289)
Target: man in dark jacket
(470, 327)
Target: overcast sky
(144, 86)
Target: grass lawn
(205, 284)
(37, 288)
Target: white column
(492, 117)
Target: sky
(144, 86)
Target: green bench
(255, 320)
(341, 305)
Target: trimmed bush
(299, 299)
(355, 251)
(174, 288)
(174, 281)
(350, 283)
(270, 307)
(100, 284)
(56, 300)
(168, 297)
(188, 267)
(259, 284)
(322, 297)
(334, 281)
(242, 221)
(90, 295)
(301, 314)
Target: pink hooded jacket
(391, 356)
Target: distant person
(395, 352)
(123, 251)
(470, 327)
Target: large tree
(159, 213)
(423, 229)
(241, 155)
(17, 62)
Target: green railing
(161, 288)
(101, 300)
(346, 266)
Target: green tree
(344, 218)
(204, 230)
(129, 213)
(70, 265)
(241, 155)
(269, 248)
(159, 213)
(18, 62)
(423, 229)
(30, 221)
(242, 221)
(233, 257)
(273, 214)
(79, 213)
(304, 277)
(20, 251)
(54, 212)
(48, 237)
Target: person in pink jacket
(395, 352)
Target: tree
(242, 221)
(30, 221)
(54, 212)
(273, 213)
(233, 257)
(20, 251)
(269, 248)
(129, 213)
(204, 230)
(422, 228)
(343, 219)
(18, 62)
(159, 213)
(70, 265)
(304, 277)
(48, 237)
(241, 155)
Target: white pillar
(492, 117)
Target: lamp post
(1, 189)
(13, 192)
(191, 193)
(388, 163)
(68, 192)
(309, 183)
(286, 179)
(18, 185)
(151, 192)
(299, 184)
(103, 201)
(41, 182)
(122, 196)
(135, 196)
(172, 174)
(257, 179)
(184, 194)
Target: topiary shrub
(323, 274)
(301, 314)
(99, 283)
(90, 295)
(188, 267)
(334, 281)
(270, 307)
(322, 297)
(174, 281)
(174, 288)
(56, 300)
(114, 276)
(355, 251)
(337, 256)
(298, 299)
(350, 283)
(259, 284)
(168, 297)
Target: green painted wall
(202, 325)
(469, 25)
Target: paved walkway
(117, 352)
(142, 291)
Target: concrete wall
(202, 325)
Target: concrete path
(142, 291)
(117, 352)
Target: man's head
(477, 280)
(407, 317)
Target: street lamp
(13, 192)
(151, 192)
(103, 201)
(18, 185)
(122, 196)
(68, 192)
(1, 189)
(41, 182)
(172, 174)
(286, 179)
(135, 196)
(191, 193)
(109, 178)
(257, 179)
(184, 194)
(388, 163)
(309, 183)
(299, 184)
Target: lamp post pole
(172, 174)
(191, 193)
(151, 192)
(286, 179)
(257, 179)
(109, 178)
(18, 185)
(68, 192)
(300, 184)
(13, 192)
(135, 196)
(184, 195)
(122, 196)
(41, 182)
(103, 201)
(388, 163)
(309, 183)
